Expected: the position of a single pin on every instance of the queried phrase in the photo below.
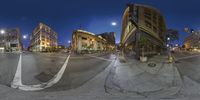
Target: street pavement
(81, 69)
(84, 76)
(188, 64)
(40, 67)
(103, 77)
(8, 66)
(135, 78)
(190, 67)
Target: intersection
(40, 68)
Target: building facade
(10, 40)
(110, 40)
(87, 42)
(142, 24)
(43, 39)
(192, 41)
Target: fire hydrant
(170, 59)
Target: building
(192, 41)
(110, 39)
(10, 40)
(61, 47)
(142, 26)
(87, 42)
(43, 39)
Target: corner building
(142, 22)
(192, 41)
(43, 39)
(87, 42)
(10, 41)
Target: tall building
(110, 39)
(87, 42)
(109, 36)
(43, 39)
(10, 40)
(142, 24)
(192, 41)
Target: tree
(143, 42)
(172, 34)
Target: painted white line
(59, 75)
(101, 58)
(17, 82)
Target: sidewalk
(134, 77)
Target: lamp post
(69, 42)
(24, 38)
(2, 31)
(3, 35)
(113, 23)
(170, 59)
(69, 48)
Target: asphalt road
(81, 69)
(8, 66)
(41, 67)
(189, 66)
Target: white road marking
(17, 82)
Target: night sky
(64, 16)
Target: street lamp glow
(2, 31)
(167, 45)
(113, 23)
(168, 38)
(69, 41)
(24, 37)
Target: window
(147, 14)
(154, 29)
(83, 38)
(148, 24)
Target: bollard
(170, 59)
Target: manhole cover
(152, 65)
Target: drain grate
(152, 65)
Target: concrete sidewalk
(134, 77)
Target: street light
(168, 38)
(113, 23)
(24, 37)
(2, 31)
(69, 48)
(69, 41)
(167, 45)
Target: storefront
(1, 49)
